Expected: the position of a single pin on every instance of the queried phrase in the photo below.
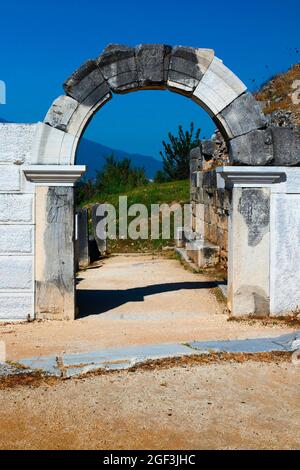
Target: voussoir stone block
(60, 112)
(152, 64)
(243, 115)
(70, 116)
(254, 148)
(286, 146)
(84, 81)
(118, 66)
(53, 146)
(218, 88)
(187, 67)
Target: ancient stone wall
(210, 202)
(16, 223)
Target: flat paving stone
(69, 365)
(289, 342)
(47, 364)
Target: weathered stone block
(249, 252)
(208, 148)
(187, 67)
(118, 66)
(16, 208)
(286, 146)
(101, 243)
(254, 148)
(61, 112)
(16, 239)
(16, 272)
(152, 64)
(16, 306)
(218, 88)
(82, 239)
(15, 142)
(86, 110)
(9, 178)
(84, 81)
(209, 179)
(241, 116)
(55, 276)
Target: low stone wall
(210, 204)
(210, 212)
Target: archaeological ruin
(245, 183)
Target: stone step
(204, 254)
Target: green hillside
(152, 193)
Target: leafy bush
(119, 176)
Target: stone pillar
(54, 255)
(250, 238)
(101, 243)
(81, 239)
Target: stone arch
(196, 73)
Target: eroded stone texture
(241, 116)
(152, 64)
(82, 239)
(118, 66)
(254, 148)
(15, 142)
(249, 252)
(101, 243)
(196, 159)
(187, 67)
(286, 146)
(61, 112)
(84, 81)
(254, 205)
(55, 278)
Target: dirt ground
(216, 406)
(133, 300)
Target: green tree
(176, 153)
(119, 176)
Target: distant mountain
(93, 155)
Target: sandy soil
(216, 406)
(131, 300)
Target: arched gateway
(256, 263)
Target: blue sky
(42, 43)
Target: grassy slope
(153, 193)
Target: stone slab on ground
(69, 365)
(9, 369)
(286, 343)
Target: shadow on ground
(95, 302)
